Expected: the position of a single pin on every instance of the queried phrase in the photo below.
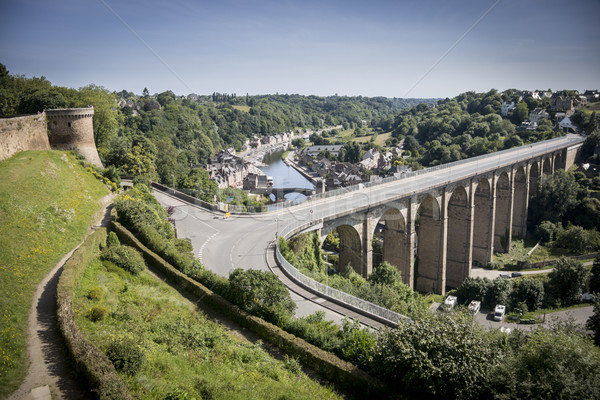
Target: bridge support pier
(436, 235)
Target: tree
(567, 280)
(442, 356)
(498, 292)
(472, 289)
(558, 194)
(594, 285)
(529, 291)
(105, 116)
(574, 238)
(385, 274)
(353, 153)
(545, 231)
(261, 293)
(553, 364)
(593, 322)
(166, 160)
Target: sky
(392, 48)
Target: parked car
(499, 312)
(450, 302)
(516, 274)
(474, 306)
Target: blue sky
(422, 48)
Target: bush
(125, 355)
(574, 238)
(112, 240)
(125, 257)
(358, 343)
(316, 330)
(261, 293)
(545, 231)
(567, 280)
(95, 293)
(97, 313)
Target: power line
(452, 47)
(146, 44)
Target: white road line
(204, 245)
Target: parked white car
(450, 302)
(499, 312)
(474, 306)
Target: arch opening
(427, 246)
(457, 248)
(502, 216)
(390, 242)
(482, 252)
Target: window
(69, 124)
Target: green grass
(183, 350)
(518, 253)
(539, 313)
(47, 201)
(242, 108)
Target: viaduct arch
(435, 236)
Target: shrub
(125, 355)
(358, 343)
(292, 365)
(385, 274)
(545, 231)
(112, 240)
(261, 293)
(125, 257)
(97, 313)
(95, 293)
(567, 280)
(574, 238)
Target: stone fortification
(23, 133)
(70, 128)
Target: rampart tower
(70, 128)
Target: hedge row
(332, 368)
(93, 363)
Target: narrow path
(49, 375)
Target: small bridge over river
(280, 193)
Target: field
(47, 201)
(242, 108)
(348, 135)
(181, 354)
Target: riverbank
(313, 178)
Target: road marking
(204, 245)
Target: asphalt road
(223, 244)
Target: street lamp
(173, 175)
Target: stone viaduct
(435, 233)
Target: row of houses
(374, 165)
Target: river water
(285, 176)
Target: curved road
(223, 244)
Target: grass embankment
(47, 201)
(518, 258)
(182, 353)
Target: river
(285, 176)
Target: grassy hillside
(163, 348)
(47, 201)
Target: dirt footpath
(49, 375)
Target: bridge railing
(383, 314)
(535, 150)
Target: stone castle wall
(62, 129)
(23, 133)
(73, 128)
